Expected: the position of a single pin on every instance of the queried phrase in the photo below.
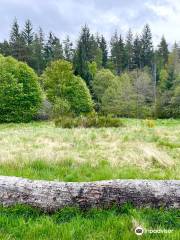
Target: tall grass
(41, 151)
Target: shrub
(20, 94)
(102, 80)
(59, 82)
(119, 99)
(61, 108)
(88, 122)
(149, 123)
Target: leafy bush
(88, 122)
(59, 82)
(119, 99)
(61, 108)
(20, 94)
(149, 123)
(102, 80)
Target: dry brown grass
(132, 145)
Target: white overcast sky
(104, 16)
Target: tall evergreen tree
(163, 51)
(103, 47)
(129, 50)
(147, 47)
(137, 51)
(68, 49)
(28, 37)
(38, 52)
(118, 56)
(28, 33)
(86, 52)
(53, 49)
(17, 42)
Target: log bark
(51, 196)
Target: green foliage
(20, 94)
(119, 99)
(118, 54)
(175, 101)
(61, 108)
(22, 222)
(149, 123)
(102, 80)
(87, 52)
(130, 95)
(90, 121)
(59, 82)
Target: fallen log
(51, 196)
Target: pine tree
(68, 49)
(28, 33)
(129, 50)
(118, 56)
(17, 42)
(163, 51)
(28, 37)
(57, 49)
(137, 51)
(103, 47)
(53, 49)
(86, 52)
(147, 47)
(38, 52)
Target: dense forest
(126, 77)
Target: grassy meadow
(38, 150)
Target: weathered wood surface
(51, 196)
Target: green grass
(27, 223)
(41, 151)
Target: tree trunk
(51, 196)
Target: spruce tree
(17, 42)
(68, 49)
(147, 47)
(163, 51)
(137, 51)
(129, 50)
(53, 49)
(28, 37)
(28, 33)
(86, 52)
(118, 56)
(103, 47)
(38, 52)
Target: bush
(20, 94)
(59, 82)
(61, 108)
(102, 80)
(149, 123)
(88, 122)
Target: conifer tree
(103, 47)
(68, 49)
(17, 42)
(147, 47)
(163, 51)
(129, 50)
(137, 51)
(38, 52)
(28, 37)
(118, 56)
